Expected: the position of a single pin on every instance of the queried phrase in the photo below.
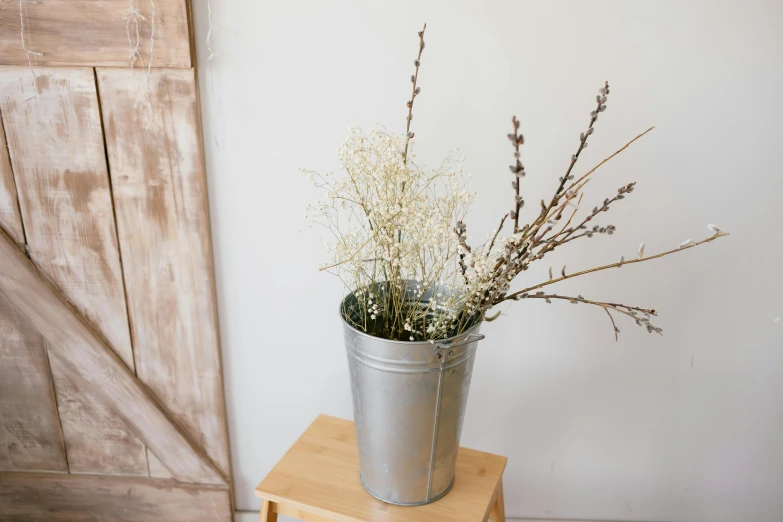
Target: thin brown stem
(518, 170)
(415, 90)
(414, 93)
(615, 307)
(613, 265)
(615, 153)
(500, 227)
(582, 144)
(614, 326)
(550, 244)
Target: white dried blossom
(393, 221)
(403, 250)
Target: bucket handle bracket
(449, 346)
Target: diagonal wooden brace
(91, 362)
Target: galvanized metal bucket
(409, 402)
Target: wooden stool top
(320, 476)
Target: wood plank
(268, 513)
(91, 362)
(71, 498)
(87, 32)
(30, 438)
(157, 469)
(55, 141)
(96, 440)
(319, 475)
(10, 219)
(499, 504)
(158, 179)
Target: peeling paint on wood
(91, 362)
(70, 498)
(30, 435)
(157, 469)
(159, 188)
(30, 438)
(88, 32)
(54, 136)
(10, 219)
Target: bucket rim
(406, 343)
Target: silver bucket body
(409, 402)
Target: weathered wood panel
(10, 219)
(55, 140)
(91, 362)
(96, 440)
(158, 179)
(30, 438)
(89, 32)
(76, 498)
(157, 469)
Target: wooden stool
(318, 481)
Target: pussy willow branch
(601, 100)
(518, 170)
(414, 92)
(568, 222)
(533, 230)
(497, 231)
(613, 265)
(554, 242)
(618, 151)
(527, 231)
(577, 185)
(615, 307)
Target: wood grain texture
(96, 440)
(90, 32)
(268, 513)
(499, 504)
(252, 516)
(90, 362)
(30, 434)
(156, 467)
(158, 179)
(76, 498)
(319, 475)
(30, 438)
(10, 219)
(55, 140)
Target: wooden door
(111, 392)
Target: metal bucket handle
(448, 346)
(438, 356)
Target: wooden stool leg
(499, 508)
(267, 512)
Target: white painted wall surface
(688, 427)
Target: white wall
(684, 427)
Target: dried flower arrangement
(401, 245)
